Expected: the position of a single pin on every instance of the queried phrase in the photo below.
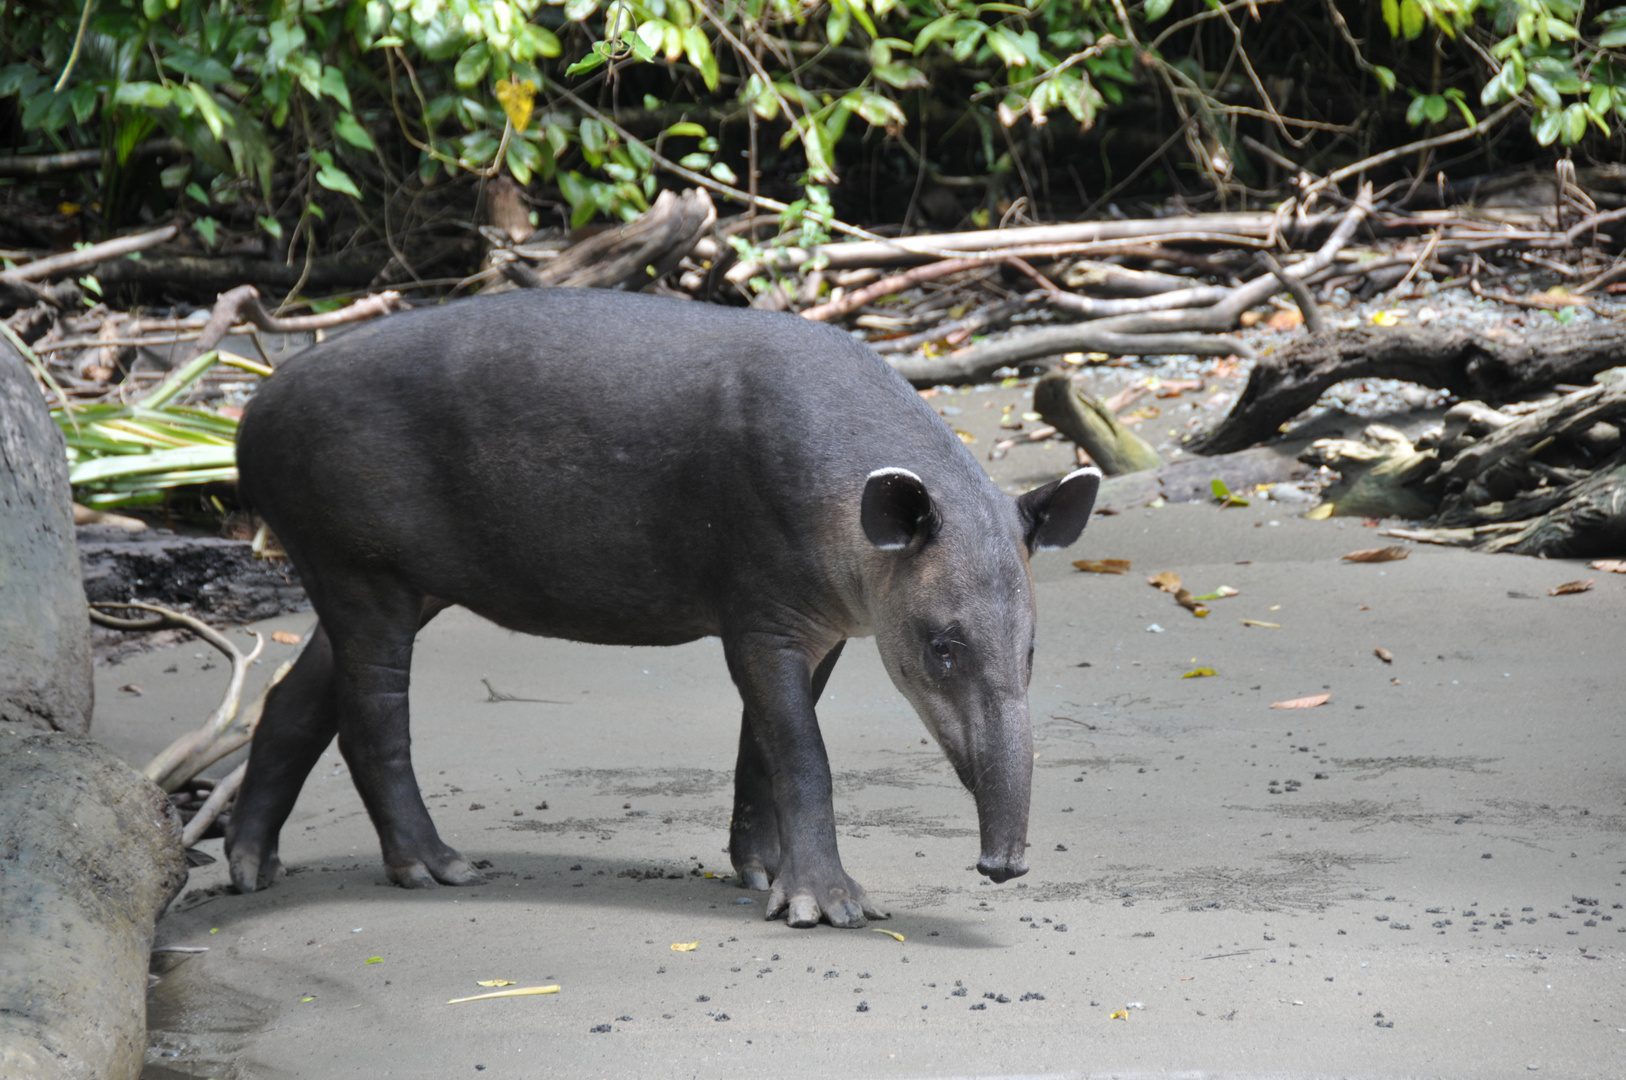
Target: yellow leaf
(305, 999)
(685, 946)
(1387, 318)
(1199, 673)
(1319, 513)
(516, 98)
(284, 637)
(1121, 1014)
(1256, 622)
(372, 960)
(965, 436)
(495, 982)
(888, 933)
(524, 991)
(214, 930)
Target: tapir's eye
(942, 647)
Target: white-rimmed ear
(1053, 516)
(897, 511)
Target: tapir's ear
(897, 510)
(1054, 515)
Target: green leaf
(1385, 77)
(472, 65)
(935, 29)
(348, 128)
(587, 63)
(840, 20)
(695, 161)
(722, 172)
(1613, 39)
(1543, 88)
(1411, 19)
(1434, 105)
(1417, 111)
(1547, 127)
(336, 179)
(902, 76)
(91, 285)
(196, 191)
(333, 86)
(686, 127)
(1156, 9)
(206, 227)
(148, 95)
(592, 136)
(1575, 122)
(1391, 16)
(577, 10)
(271, 225)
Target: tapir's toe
(845, 907)
(251, 872)
(450, 868)
(752, 874)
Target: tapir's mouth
(999, 871)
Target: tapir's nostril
(1000, 872)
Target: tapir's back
(607, 466)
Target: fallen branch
(224, 730)
(1467, 363)
(73, 260)
(630, 256)
(195, 274)
(897, 283)
(78, 160)
(1091, 425)
(242, 304)
(207, 814)
(957, 330)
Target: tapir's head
(954, 618)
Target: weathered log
(629, 256)
(196, 275)
(1091, 425)
(1585, 520)
(220, 579)
(1484, 364)
(79, 160)
(45, 673)
(74, 260)
(92, 856)
(1381, 475)
(1191, 479)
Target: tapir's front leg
(775, 679)
(754, 834)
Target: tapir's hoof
(1001, 871)
(250, 873)
(753, 875)
(451, 869)
(845, 908)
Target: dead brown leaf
(1609, 566)
(1173, 388)
(285, 637)
(1385, 655)
(1103, 566)
(1285, 320)
(1570, 587)
(1302, 702)
(1388, 554)
(1184, 598)
(1168, 581)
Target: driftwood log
(629, 256)
(1092, 426)
(45, 674)
(1486, 364)
(92, 855)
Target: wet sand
(1430, 890)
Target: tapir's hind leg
(372, 620)
(754, 835)
(298, 723)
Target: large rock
(90, 855)
(45, 672)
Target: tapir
(627, 469)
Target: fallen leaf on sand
(1570, 587)
(685, 946)
(1103, 566)
(1184, 598)
(285, 637)
(524, 991)
(372, 960)
(1121, 1014)
(888, 933)
(1219, 594)
(1609, 566)
(965, 436)
(1168, 581)
(305, 999)
(495, 982)
(1256, 622)
(1285, 320)
(131, 688)
(1385, 655)
(1302, 702)
(1319, 512)
(1388, 554)
(1199, 673)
